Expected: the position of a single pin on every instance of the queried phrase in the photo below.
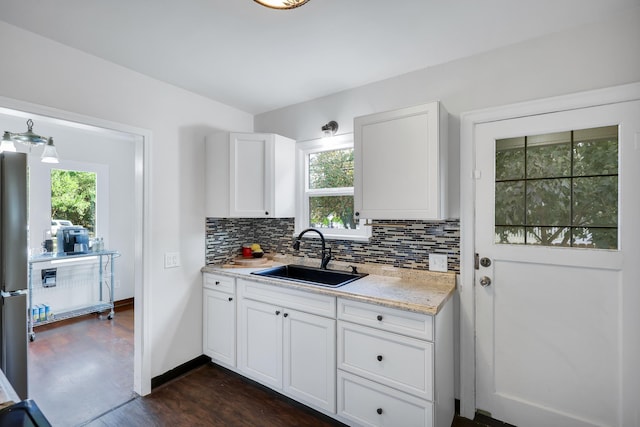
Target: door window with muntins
(558, 189)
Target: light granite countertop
(412, 290)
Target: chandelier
(49, 154)
(281, 4)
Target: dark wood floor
(81, 368)
(81, 374)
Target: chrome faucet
(326, 252)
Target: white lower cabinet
(373, 366)
(285, 348)
(219, 319)
(395, 368)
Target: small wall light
(330, 129)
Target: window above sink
(324, 186)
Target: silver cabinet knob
(485, 281)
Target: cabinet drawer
(415, 325)
(308, 302)
(370, 404)
(400, 362)
(219, 283)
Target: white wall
(54, 75)
(588, 57)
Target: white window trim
(303, 149)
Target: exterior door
(557, 239)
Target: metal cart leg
(32, 335)
(112, 281)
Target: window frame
(303, 149)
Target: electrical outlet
(171, 259)
(438, 262)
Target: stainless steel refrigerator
(13, 270)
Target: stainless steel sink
(310, 275)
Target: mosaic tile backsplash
(403, 244)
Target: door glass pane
(549, 155)
(331, 212)
(596, 151)
(549, 236)
(595, 201)
(549, 202)
(597, 238)
(510, 203)
(510, 158)
(558, 189)
(509, 235)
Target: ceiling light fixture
(49, 154)
(281, 4)
(330, 129)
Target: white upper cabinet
(400, 164)
(250, 175)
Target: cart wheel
(32, 337)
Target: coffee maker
(73, 240)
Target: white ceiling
(258, 59)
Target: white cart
(104, 279)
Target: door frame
(142, 237)
(468, 122)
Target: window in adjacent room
(73, 199)
(326, 183)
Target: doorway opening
(112, 147)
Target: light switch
(171, 259)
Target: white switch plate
(438, 262)
(171, 259)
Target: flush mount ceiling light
(281, 4)
(330, 128)
(49, 154)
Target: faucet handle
(354, 269)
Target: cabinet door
(250, 184)
(309, 359)
(219, 328)
(397, 164)
(260, 346)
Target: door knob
(485, 281)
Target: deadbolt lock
(485, 262)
